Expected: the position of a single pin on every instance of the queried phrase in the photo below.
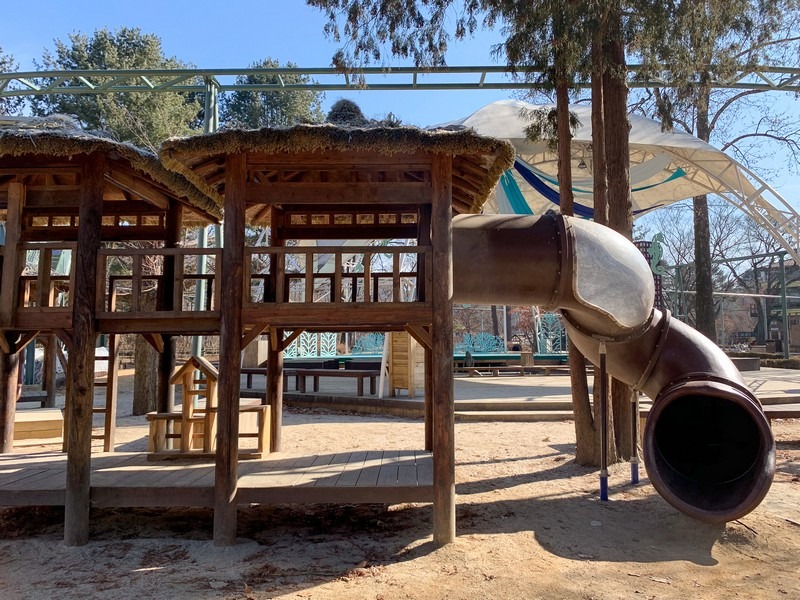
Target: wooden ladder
(109, 407)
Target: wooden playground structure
(120, 214)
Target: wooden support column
(169, 300)
(112, 379)
(9, 378)
(275, 388)
(444, 488)
(423, 293)
(82, 353)
(428, 399)
(230, 348)
(275, 356)
(11, 262)
(50, 372)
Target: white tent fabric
(665, 167)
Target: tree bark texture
(82, 355)
(620, 206)
(705, 321)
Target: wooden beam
(136, 185)
(82, 355)
(23, 340)
(252, 334)
(286, 342)
(344, 192)
(155, 340)
(444, 488)
(230, 349)
(11, 260)
(422, 335)
(66, 337)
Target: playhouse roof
(478, 161)
(60, 137)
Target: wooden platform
(129, 479)
(37, 425)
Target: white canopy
(665, 167)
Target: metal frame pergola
(776, 215)
(213, 81)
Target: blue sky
(238, 32)
(285, 30)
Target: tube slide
(708, 448)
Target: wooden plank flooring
(129, 479)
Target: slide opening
(707, 454)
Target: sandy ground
(530, 525)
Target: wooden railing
(133, 280)
(365, 274)
(141, 282)
(39, 288)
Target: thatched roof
(480, 159)
(61, 137)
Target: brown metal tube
(708, 447)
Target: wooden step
(523, 416)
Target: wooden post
(275, 388)
(444, 489)
(112, 378)
(50, 372)
(165, 395)
(423, 294)
(230, 348)
(11, 262)
(274, 396)
(428, 398)
(9, 377)
(81, 360)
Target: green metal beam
(33, 83)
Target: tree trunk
(495, 322)
(620, 215)
(145, 378)
(704, 300)
(585, 435)
(587, 417)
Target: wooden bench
(249, 372)
(359, 375)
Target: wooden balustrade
(38, 288)
(293, 280)
(142, 277)
(128, 275)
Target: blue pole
(603, 425)
(634, 437)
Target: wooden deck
(129, 479)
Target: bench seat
(359, 375)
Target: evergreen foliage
(9, 106)
(142, 118)
(254, 110)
